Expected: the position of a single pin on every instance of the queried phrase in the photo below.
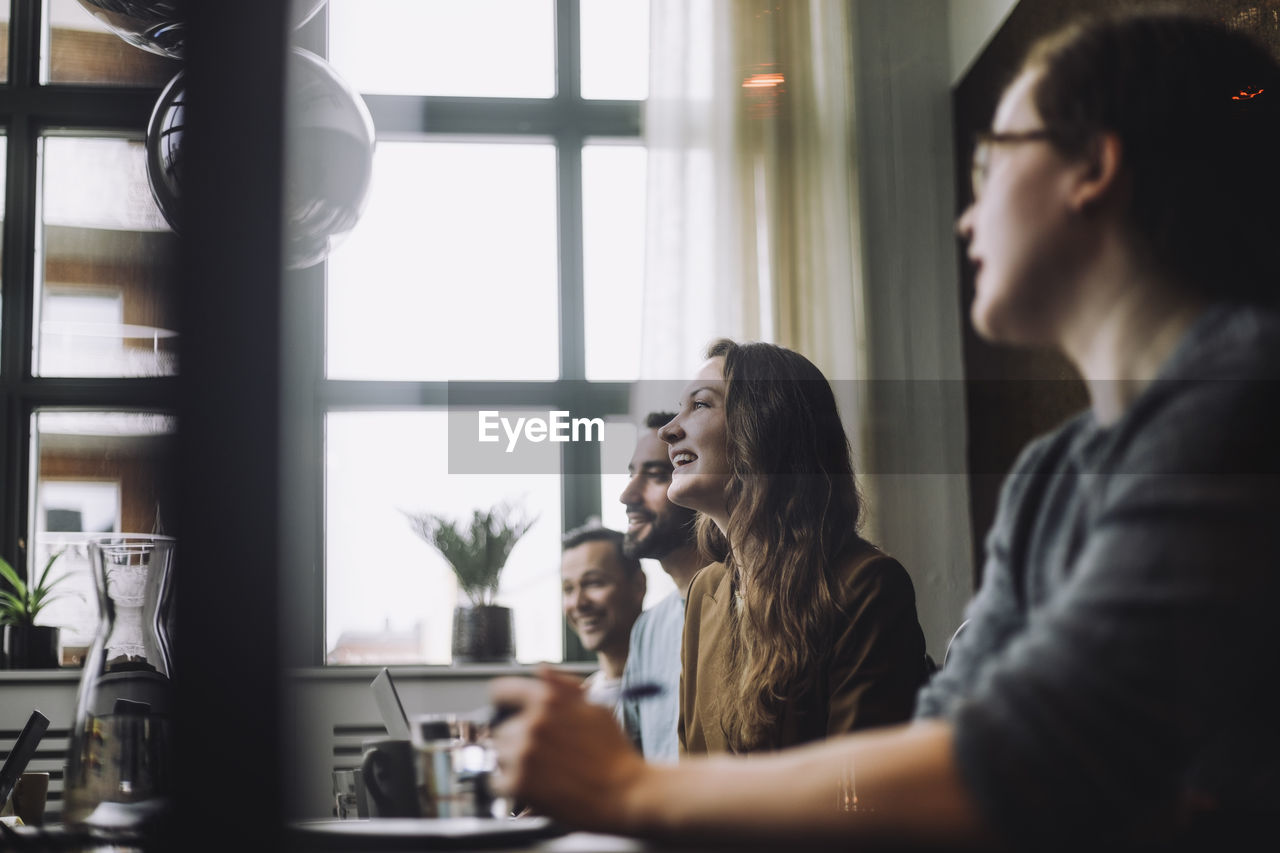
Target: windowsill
(70, 675)
(477, 671)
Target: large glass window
(451, 273)
(104, 305)
(497, 266)
(79, 49)
(87, 328)
(615, 49)
(94, 472)
(480, 48)
(381, 465)
(613, 258)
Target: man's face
(601, 602)
(655, 526)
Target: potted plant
(477, 552)
(28, 645)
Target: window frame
(569, 122)
(30, 110)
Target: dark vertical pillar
(226, 571)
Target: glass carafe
(120, 773)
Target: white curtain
(753, 229)
(694, 277)
(752, 203)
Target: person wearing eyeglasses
(1115, 684)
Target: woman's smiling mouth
(683, 457)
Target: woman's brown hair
(793, 512)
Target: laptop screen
(389, 705)
(24, 748)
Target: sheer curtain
(753, 229)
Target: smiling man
(603, 592)
(657, 529)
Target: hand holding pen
(553, 745)
(631, 693)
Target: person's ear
(1098, 176)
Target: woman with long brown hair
(800, 628)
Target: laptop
(24, 749)
(389, 705)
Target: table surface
(57, 838)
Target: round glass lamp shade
(164, 148)
(157, 25)
(328, 156)
(329, 140)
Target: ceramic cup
(388, 772)
(452, 763)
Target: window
(496, 267)
(87, 329)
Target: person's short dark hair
(657, 420)
(1196, 107)
(599, 533)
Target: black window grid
(567, 120)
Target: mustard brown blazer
(869, 672)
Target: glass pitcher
(120, 773)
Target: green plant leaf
(44, 596)
(476, 550)
(11, 602)
(44, 575)
(15, 581)
(23, 604)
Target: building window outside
(87, 332)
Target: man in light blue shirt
(660, 530)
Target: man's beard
(667, 532)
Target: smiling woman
(802, 628)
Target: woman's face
(697, 445)
(1023, 238)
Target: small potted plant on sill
(477, 552)
(26, 644)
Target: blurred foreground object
(120, 771)
(329, 138)
(157, 25)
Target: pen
(643, 690)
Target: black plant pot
(483, 633)
(31, 646)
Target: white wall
(907, 53)
(972, 23)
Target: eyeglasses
(982, 152)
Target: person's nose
(631, 494)
(964, 224)
(572, 599)
(672, 431)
